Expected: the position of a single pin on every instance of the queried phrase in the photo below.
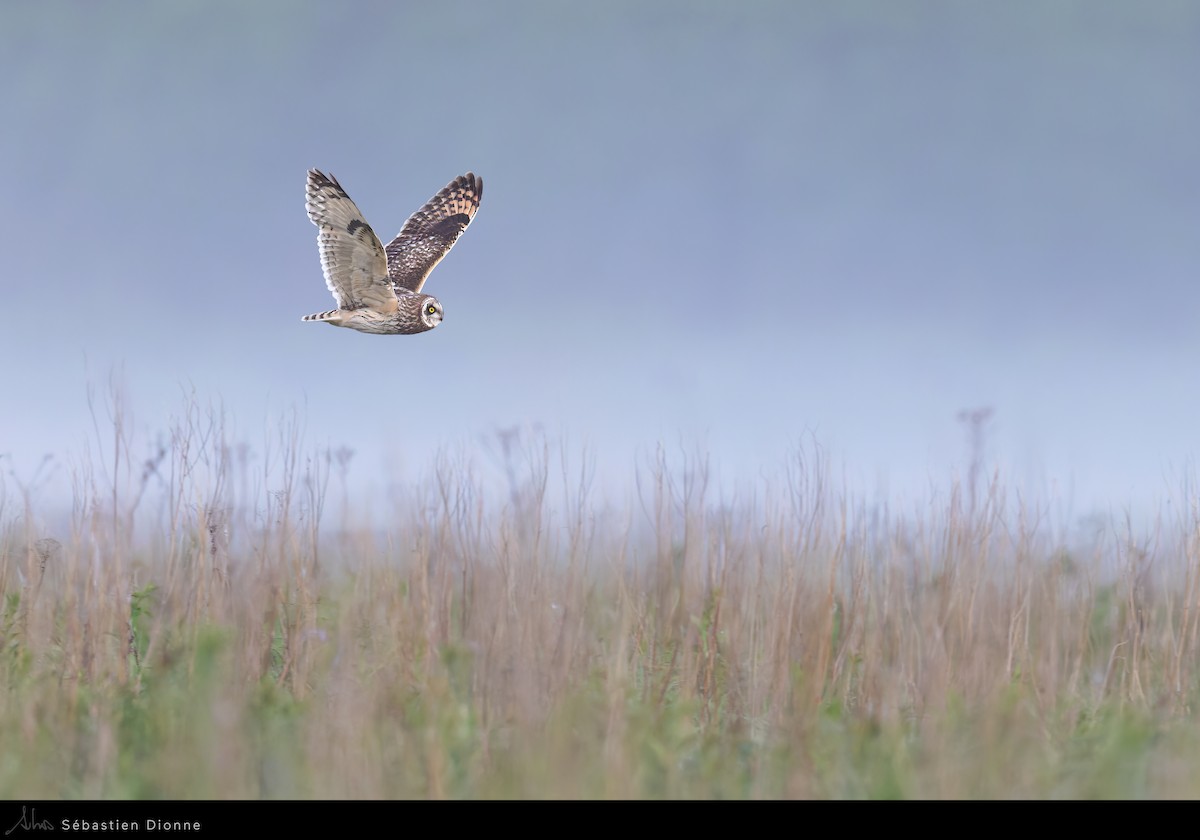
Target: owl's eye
(431, 309)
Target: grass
(197, 628)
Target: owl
(378, 289)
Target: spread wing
(431, 232)
(351, 255)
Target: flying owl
(378, 289)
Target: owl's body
(377, 289)
(412, 314)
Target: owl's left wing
(351, 255)
(431, 232)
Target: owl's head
(431, 311)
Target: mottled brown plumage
(378, 290)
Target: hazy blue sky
(732, 224)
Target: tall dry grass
(213, 620)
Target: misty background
(732, 227)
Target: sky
(734, 227)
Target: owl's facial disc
(431, 312)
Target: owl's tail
(331, 315)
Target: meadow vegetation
(212, 620)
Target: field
(215, 620)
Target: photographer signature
(28, 822)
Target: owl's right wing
(431, 232)
(352, 256)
